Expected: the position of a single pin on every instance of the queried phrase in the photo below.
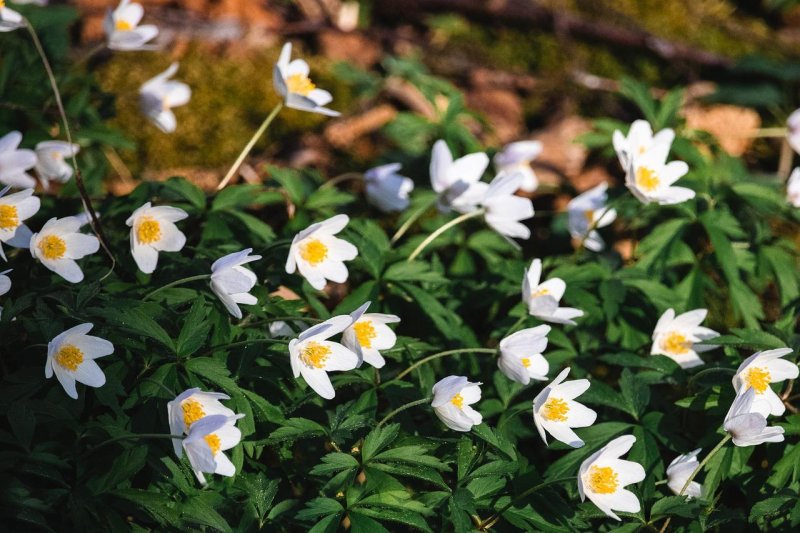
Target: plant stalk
(430, 238)
(421, 362)
(249, 146)
(403, 408)
(175, 283)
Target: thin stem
(439, 355)
(707, 371)
(169, 392)
(410, 222)
(445, 227)
(272, 319)
(275, 245)
(401, 409)
(347, 176)
(132, 437)
(492, 520)
(174, 283)
(769, 132)
(244, 343)
(517, 324)
(253, 140)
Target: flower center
(526, 362)
(758, 378)
(314, 355)
(555, 409)
(52, 247)
(603, 480)
(192, 411)
(299, 84)
(589, 216)
(647, 179)
(2, 4)
(676, 344)
(314, 252)
(540, 292)
(458, 401)
(9, 218)
(148, 230)
(69, 357)
(213, 442)
(365, 332)
(123, 25)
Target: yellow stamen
(69, 357)
(9, 217)
(2, 4)
(589, 216)
(213, 442)
(540, 292)
(148, 230)
(458, 401)
(314, 355)
(555, 409)
(314, 252)
(526, 362)
(365, 332)
(603, 480)
(675, 344)
(299, 84)
(192, 411)
(123, 25)
(758, 378)
(647, 179)
(52, 247)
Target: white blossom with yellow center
(10, 20)
(679, 471)
(153, 230)
(15, 162)
(758, 371)
(319, 255)
(676, 337)
(386, 189)
(231, 282)
(516, 157)
(650, 179)
(640, 142)
(191, 406)
(71, 356)
(555, 410)
(312, 355)
(51, 164)
(603, 477)
(452, 398)
(122, 28)
(158, 95)
(457, 182)
(521, 356)
(292, 82)
(59, 243)
(504, 209)
(543, 299)
(586, 213)
(207, 439)
(746, 424)
(793, 188)
(14, 209)
(369, 334)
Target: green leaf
(333, 463)
(295, 429)
(635, 392)
(186, 190)
(195, 329)
(378, 439)
(138, 321)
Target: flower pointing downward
(231, 282)
(71, 355)
(555, 410)
(312, 355)
(542, 299)
(504, 209)
(586, 213)
(457, 182)
(386, 189)
(516, 158)
(10, 20)
(159, 95)
(15, 162)
(521, 356)
(746, 426)
(679, 471)
(51, 162)
(452, 398)
(291, 81)
(758, 371)
(603, 477)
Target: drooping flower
(14, 162)
(10, 20)
(555, 410)
(793, 130)
(641, 142)
(504, 209)
(320, 256)
(386, 189)
(516, 158)
(747, 426)
(159, 95)
(457, 182)
(521, 356)
(312, 355)
(586, 213)
(542, 299)
(650, 179)
(231, 282)
(191, 406)
(368, 334)
(758, 371)
(59, 243)
(678, 473)
(71, 356)
(291, 81)
(207, 439)
(603, 478)
(50, 161)
(14, 209)
(5, 282)
(123, 30)
(153, 230)
(452, 398)
(676, 337)
(793, 188)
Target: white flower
(122, 27)
(542, 299)
(232, 283)
(678, 473)
(59, 243)
(153, 230)
(555, 410)
(458, 182)
(588, 212)
(9, 19)
(650, 179)
(793, 130)
(675, 337)
(793, 188)
(452, 397)
(291, 81)
(386, 189)
(283, 329)
(71, 356)
(159, 95)
(320, 256)
(15, 208)
(603, 477)
(206, 441)
(27, 2)
(191, 406)
(5, 282)
(313, 356)
(368, 334)
(758, 371)
(640, 141)
(746, 426)
(14, 163)
(516, 158)
(50, 161)
(521, 356)
(504, 209)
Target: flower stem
(253, 140)
(403, 408)
(707, 371)
(517, 324)
(421, 362)
(445, 227)
(272, 319)
(347, 176)
(769, 132)
(244, 343)
(410, 222)
(593, 226)
(174, 283)
(492, 520)
(132, 437)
